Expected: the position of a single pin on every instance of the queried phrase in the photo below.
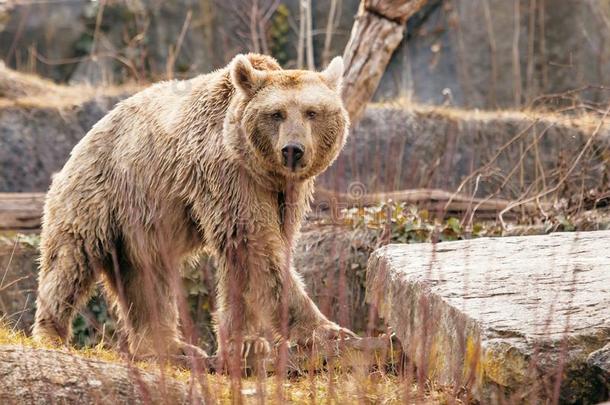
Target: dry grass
(586, 122)
(9, 336)
(29, 91)
(335, 386)
(24, 90)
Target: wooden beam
(21, 211)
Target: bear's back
(138, 147)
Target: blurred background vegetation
(471, 53)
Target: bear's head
(290, 123)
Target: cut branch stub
(395, 10)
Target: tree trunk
(41, 376)
(309, 36)
(301, 38)
(328, 36)
(379, 28)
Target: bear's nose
(292, 153)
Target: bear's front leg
(306, 324)
(242, 326)
(260, 295)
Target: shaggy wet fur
(183, 166)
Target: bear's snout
(292, 154)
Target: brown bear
(224, 162)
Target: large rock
(474, 48)
(405, 146)
(51, 31)
(142, 34)
(504, 317)
(40, 123)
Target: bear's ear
(333, 74)
(244, 77)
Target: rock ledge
(503, 316)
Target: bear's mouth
(299, 173)
(296, 169)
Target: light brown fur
(187, 165)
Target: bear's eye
(311, 114)
(278, 116)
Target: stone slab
(504, 317)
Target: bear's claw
(257, 345)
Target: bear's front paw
(325, 332)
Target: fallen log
(22, 212)
(39, 376)
(441, 201)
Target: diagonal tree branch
(377, 31)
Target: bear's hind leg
(65, 283)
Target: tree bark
(41, 376)
(377, 31)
